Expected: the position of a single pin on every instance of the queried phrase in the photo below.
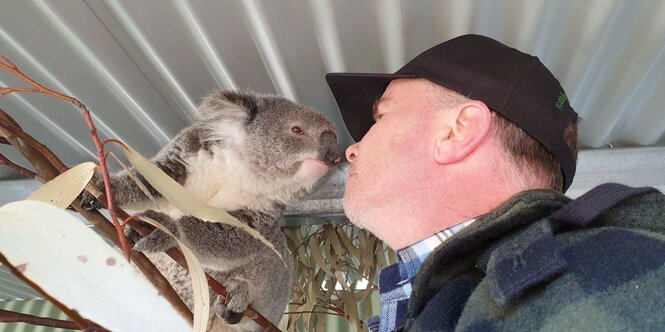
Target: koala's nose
(329, 149)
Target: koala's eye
(297, 130)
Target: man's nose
(352, 152)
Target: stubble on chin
(353, 211)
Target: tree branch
(23, 171)
(17, 317)
(41, 154)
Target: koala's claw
(231, 317)
(89, 202)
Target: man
(475, 139)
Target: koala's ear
(229, 105)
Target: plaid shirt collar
(395, 280)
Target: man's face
(391, 160)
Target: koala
(250, 155)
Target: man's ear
(466, 127)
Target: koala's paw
(237, 301)
(221, 310)
(88, 201)
(157, 241)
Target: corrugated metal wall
(39, 308)
(142, 66)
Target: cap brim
(355, 94)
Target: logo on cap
(561, 100)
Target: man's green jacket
(517, 269)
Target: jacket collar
(461, 252)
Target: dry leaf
(62, 190)
(347, 252)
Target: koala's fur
(250, 155)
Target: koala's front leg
(158, 241)
(126, 192)
(123, 187)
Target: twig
(80, 321)
(10, 130)
(17, 317)
(6, 61)
(6, 91)
(23, 171)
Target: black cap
(511, 83)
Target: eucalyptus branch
(23, 171)
(21, 141)
(17, 317)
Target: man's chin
(354, 213)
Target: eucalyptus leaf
(77, 267)
(62, 190)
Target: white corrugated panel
(142, 66)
